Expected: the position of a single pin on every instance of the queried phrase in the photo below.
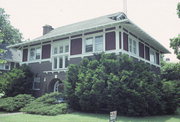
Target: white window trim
(29, 49)
(93, 36)
(137, 46)
(64, 43)
(36, 82)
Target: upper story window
(89, 44)
(35, 53)
(94, 44)
(132, 46)
(60, 48)
(60, 52)
(152, 56)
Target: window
(55, 50)
(60, 59)
(35, 53)
(152, 56)
(93, 44)
(132, 46)
(99, 43)
(60, 62)
(66, 48)
(36, 83)
(55, 63)
(89, 45)
(1, 66)
(61, 49)
(7, 67)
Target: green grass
(83, 117)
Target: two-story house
(49, 55)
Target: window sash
(99, 43)
(89, 44)
(152, 56)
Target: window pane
(6, 66)
(99, 43)
(61, 49)
(152, 56)
(32, 54)
(1, 66)
(130, 44)
(66, 61)
(67, 48)
(38, 52)
(60, 62)
(134, 47)
(55, 50)
(89, 45)
(55, 63)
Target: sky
(156, 17)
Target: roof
(87, 25)
(12, 55)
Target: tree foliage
(175, 42)
(110, 82)
(11, 35)
(16, 81)
(170, 71)
(178, 9)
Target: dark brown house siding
(125, 41)
(110, 41)
(157, 58)
(46, 51)
(76, 46)
(119, 40)
(147, 55)
(25, 55)
(141, 50)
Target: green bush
(11, 104)
(46, 105)
(170, 71)
(110, 82)
(17, 81)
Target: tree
(11, 35)
(175, 42)
(1, 50)
(178, 9)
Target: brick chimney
(47, 29)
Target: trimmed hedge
(11, 104)
(46, 105)
(110, 82)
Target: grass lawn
(83, 117)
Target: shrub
(11, 104)
(46, 105)
(17, 81)
(110, 82)
(170, 71)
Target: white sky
(156, 17)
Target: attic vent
(118, 17)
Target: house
(49, 55)
(11, 56)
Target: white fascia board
(159, 46)
(65, 34)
